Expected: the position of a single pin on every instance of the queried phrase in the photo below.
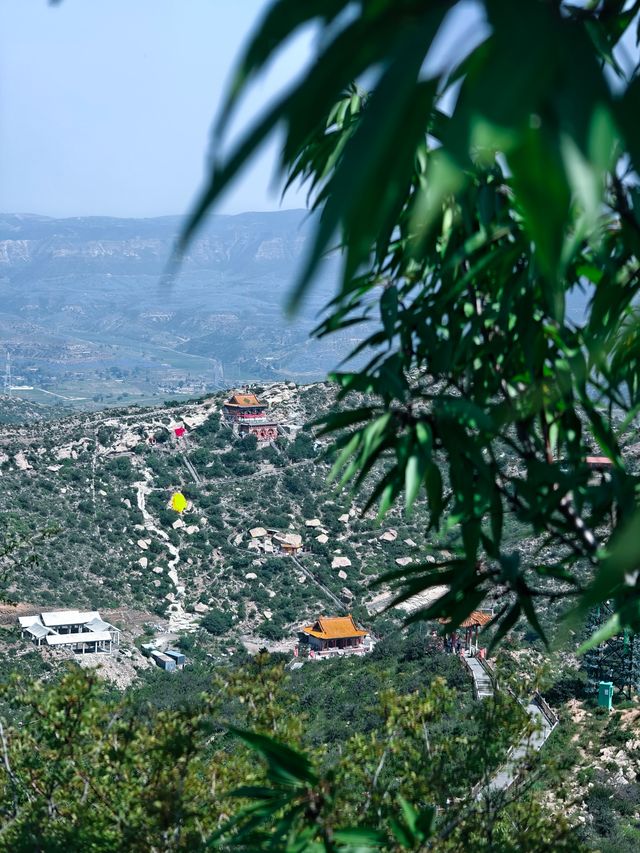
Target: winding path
(178, 617)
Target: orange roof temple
(334, 628)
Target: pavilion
(467, 631)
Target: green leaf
(354, 196)
(505, 626)
(621, 561)
(610, 628)
(389, 310)
(282, 20)
(433, 483)
(358, 840)
(285, 765)
(532, 618)
(338, 420)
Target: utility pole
(7, 375)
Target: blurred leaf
(610, 628)
(285, 765)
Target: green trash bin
(605, 694)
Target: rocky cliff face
(87, 313)
(98, 244)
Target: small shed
(177, 656)
(289, 543)
(164, 661)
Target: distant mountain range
(87, 320)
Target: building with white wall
(77, 629)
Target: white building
(80, 630)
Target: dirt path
(179, 619)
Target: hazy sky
(106, 105)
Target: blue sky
(106, 105)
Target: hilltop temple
(249, 417)
(333, 635)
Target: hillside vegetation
(99, 487)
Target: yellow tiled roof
(334, 628)
(244, 400)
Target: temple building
(249, 417)
(333, 635)
(242, 407)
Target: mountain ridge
(87, 320)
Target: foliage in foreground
(472, 201)
(85, 772)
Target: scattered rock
(200, 607)
(142, 543)
(157, 570)
(411, 543)
(251, 576)
(144, 562)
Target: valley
(89, 318)
(86, 517)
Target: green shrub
(216, 622)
